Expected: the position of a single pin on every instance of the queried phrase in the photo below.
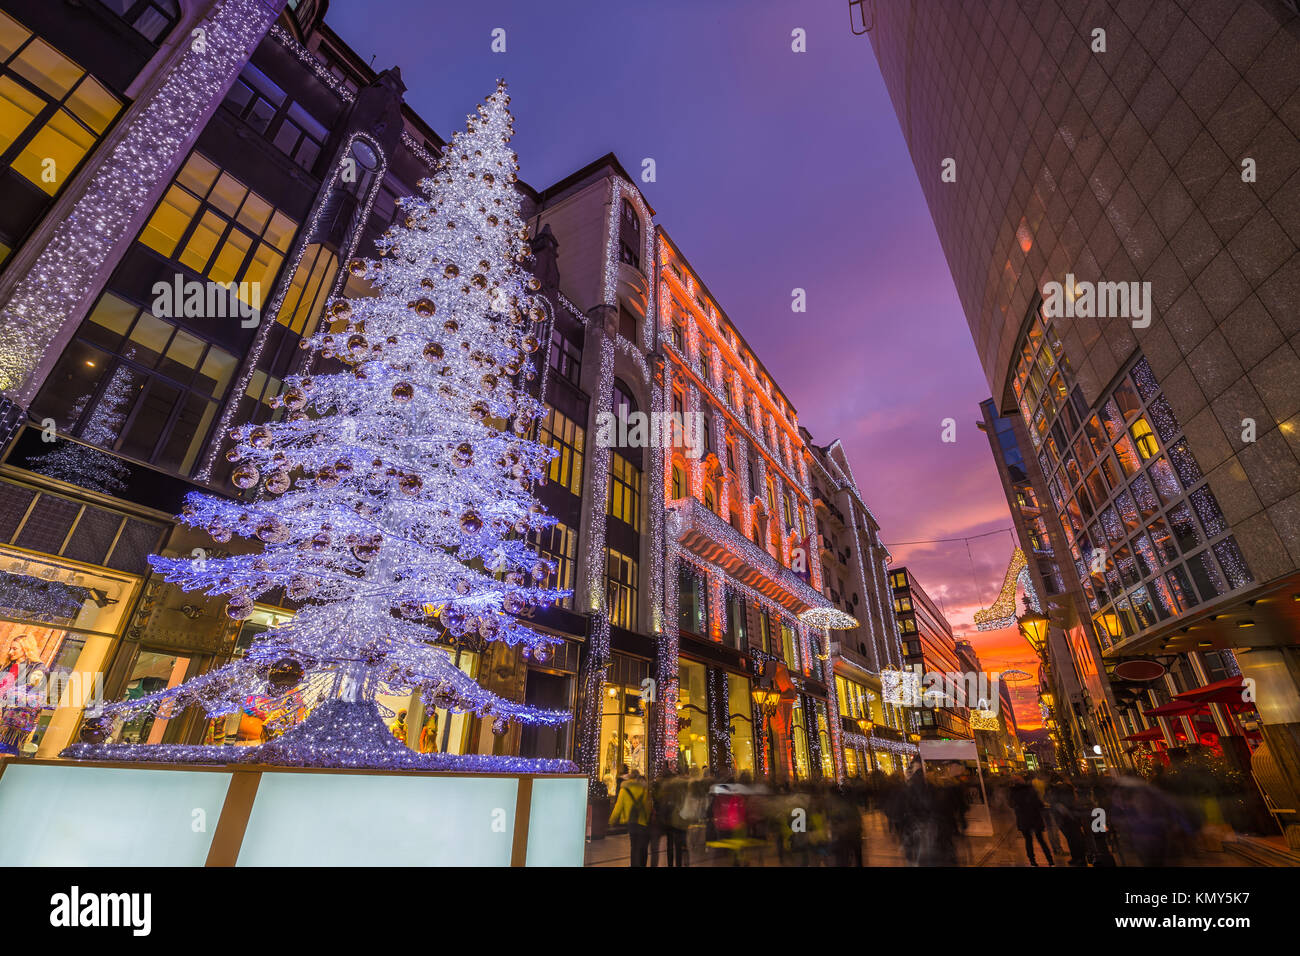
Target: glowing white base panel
(73, 815)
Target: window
(624, 499)
(626, 323)
(706, 370)
(902, 604)
(692, 599)
(629, 255)
(132, 382)
(259, 102)
(789, 512)
(51, 111)
(567, 437)
(679, 483)
(308, 289)
(740, 710)
(565, 358)
(559, 543)
(736, 635)
(710, 499)
(679, 334)
(630, 217)
(692, 715)
(152, 19)
(706, 421)
(1144, 439)
(212, 223)
(620, 589)
(765, 630)
(789, 648)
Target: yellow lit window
(567, 437)
(47, 68)
(18, 108)
(12, 36)
(238, 237)
(624, 500)
(1144, 439)
(308, 289)
(51, 111)
(62, 143)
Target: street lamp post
(767, 699)
(868, 728)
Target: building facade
(855, 576)
(1151, 145)
(696, 635)
(928, 648)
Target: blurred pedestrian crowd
(927, 814)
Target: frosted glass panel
(97, 816)
(557, 821)
(310, 819)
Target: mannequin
(22, 679)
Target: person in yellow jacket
(634, 808)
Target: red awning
(1175, 708)
(1227, 691)
(1151, 733)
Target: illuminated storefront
(59, 622)
(692, 717)
(623, 721)
(740, 715)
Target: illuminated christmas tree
(394, 498)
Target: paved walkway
(1004, 848)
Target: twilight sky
(775, 170)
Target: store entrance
(549, 692)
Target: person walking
(1064, 803)
(634, 808)
(1029, 819)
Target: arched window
(679, 482)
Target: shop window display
(741, 724)
(692, 717)
(622, 734)
(58, 623)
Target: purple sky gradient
(775, 170)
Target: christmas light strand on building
(308, 59)
(621, 190)
(149, 145)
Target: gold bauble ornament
(403, 392)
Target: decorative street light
(1033, 626)
(767, 699)
(868, 728)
